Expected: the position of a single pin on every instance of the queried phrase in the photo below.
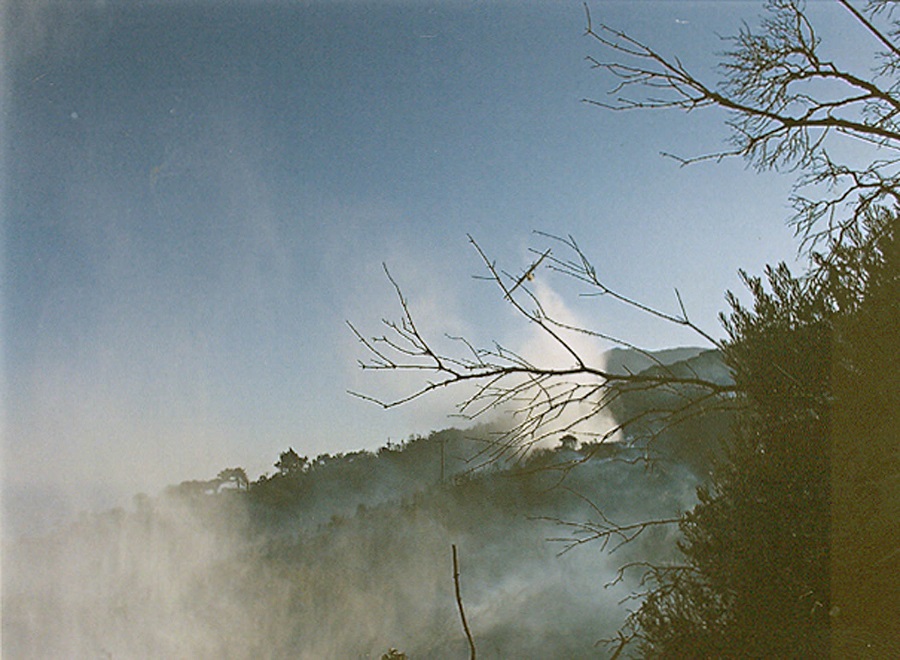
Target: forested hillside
(349, 555)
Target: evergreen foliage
(789, 551)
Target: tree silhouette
(290, 462)
(790, 106)
(237, 476)
(786, 553)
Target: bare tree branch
(604, 531)
(536, 395)
(459, 604)
(582, 270)
(883, 38)
(788, 107)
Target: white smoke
(559, 342)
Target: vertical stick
(459, 603)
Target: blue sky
(198, 195)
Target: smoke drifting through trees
(800, 486)
(342, 558)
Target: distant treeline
(348, 555)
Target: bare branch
(459, 604)
(883, 38)
(604, 530)
(786, 106)
(543, 399)
(582, 270)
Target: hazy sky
(198, 195)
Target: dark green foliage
(677, 422)
(791, 550)
(865, 444)
(393, 654)
(291, 463)
(236, 476)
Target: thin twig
(459, 604)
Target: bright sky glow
(198, 195)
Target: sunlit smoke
(204, 572)
(561, 340)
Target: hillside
(349, 555)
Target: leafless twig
(459, 604)
(790, 107)
(538, 395)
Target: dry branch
(789, 107)
(537, 395)
(459, 604)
